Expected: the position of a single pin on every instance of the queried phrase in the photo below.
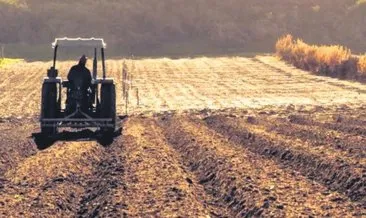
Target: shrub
(334, 60)
(284, 47)
(362, 64)
(7, 61)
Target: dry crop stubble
(185, 84)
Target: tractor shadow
(43, 142)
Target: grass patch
(362, 64)
(7, 61)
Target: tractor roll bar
(103, 64)
(95, 43)
(83, 42)
(95, 64)
(94, 61)
(55, 56)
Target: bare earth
(206, 137)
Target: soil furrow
(157, 184)
(225, 176)
(340, 123)
(105, 190)
(247, 183)
(258, 126)
(350, 129)
(16, 143)
(351, 145)
(49, 183)
(271, 129)
(335, 175)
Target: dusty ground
(225, 137)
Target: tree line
(147, 24)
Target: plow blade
(78, 123)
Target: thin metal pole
(126, 103)
(103, 64)
(137, 96)
(131, 79)
(127, 91)
(95, 64)
(55, 57)
(95, 76)
(124, 73)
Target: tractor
(93, 108)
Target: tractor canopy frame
(96, 43)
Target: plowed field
(205, 137)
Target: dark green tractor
(94, 108)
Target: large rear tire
(49, 106)
(108, 106)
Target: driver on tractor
(79, 87)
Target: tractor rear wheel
(49, 106)
(108, 106)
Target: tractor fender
(103, 81)
(52, 80)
